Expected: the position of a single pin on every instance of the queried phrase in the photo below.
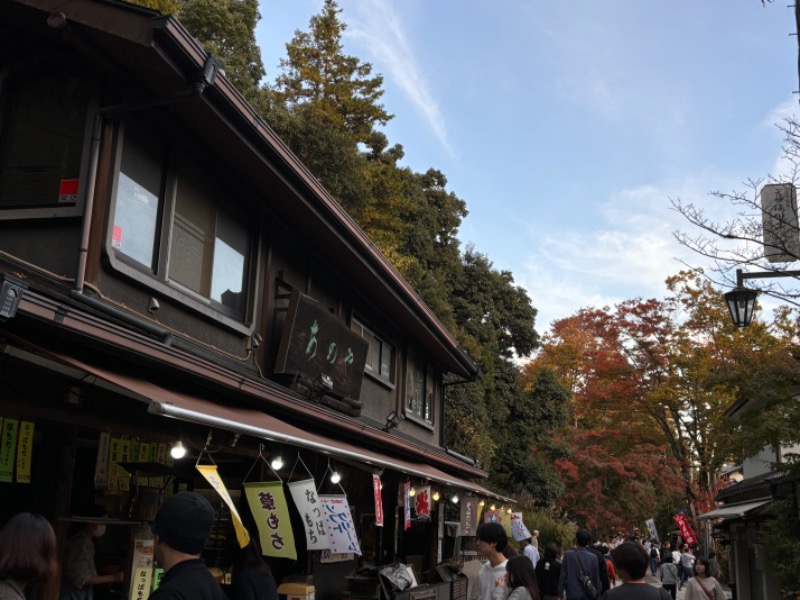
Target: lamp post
(742, 301)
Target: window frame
(157, 276)
(389, 380)
(54, 209)
(428, 396)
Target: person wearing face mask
(80, 573)
(703, 586)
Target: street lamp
(741, 304)
(742, 301)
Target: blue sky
(567, 126)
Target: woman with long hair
(548, 572)
(703, 586)
(28, 559)
(520, 581)
(251, 577)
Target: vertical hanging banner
(686, 530)
(143, 455)
(141, 565)
(25, 452)
(161, 458)
(304, 494)
(101, 465)
(406, 505)
(268, 504)
(376, 492)
(339, 523)
(211, 475)
(518, 530)
(113, 467)
(422, 502)
(124, 456)
(8, 447)
(651, 528)
(469, 516)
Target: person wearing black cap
(180, 532)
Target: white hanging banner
(304, 494)
(339, 524)
(651, 527)
(518, 530)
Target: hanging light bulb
(335, 477)
(508, 510)
(178, 450)
(436, 496)
(493, 507)
(412, 492)
(454, 499)
(277, 463)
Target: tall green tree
(525, 464)
(165, 7)
(339, 88)
(226, 28)
(495, 321)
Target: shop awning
(261, 425)
(734, 511)
(256, 423)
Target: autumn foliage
(650, 382)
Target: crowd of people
(592, 571)
(29, 566)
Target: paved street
(654, 581)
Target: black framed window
(175, 220)
(44, 116)
(419, 390)
(380, 354)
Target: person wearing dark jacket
(180, 532)
(631, 561)
(602, 568)
(251, 577)
(575, 562)
(548, 570)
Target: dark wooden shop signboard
(316, 342)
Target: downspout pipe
(211, 68)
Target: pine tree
(338, 88)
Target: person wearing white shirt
(529, 550)
(490, 543)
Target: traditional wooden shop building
(171, 273)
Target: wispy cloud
(629, 253)
(377, 26)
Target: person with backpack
(580, 574)
(654, 557)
